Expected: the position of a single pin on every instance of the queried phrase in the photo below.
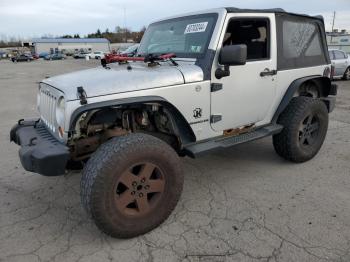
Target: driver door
(247, 94)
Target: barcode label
(196, 28)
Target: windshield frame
(185, 55)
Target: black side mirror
(231, 55)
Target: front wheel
(305, 122)
(131, 185)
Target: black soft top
(272, 10)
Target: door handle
(268, 72)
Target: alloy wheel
(308, 130)
(139, 189)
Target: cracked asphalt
(240, 204)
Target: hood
(118, 79)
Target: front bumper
(40, 152)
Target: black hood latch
(82, 95)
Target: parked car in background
(96, 55)
(2, 54)
(68, 52)
(57, 56)
(22, 58)
(130, 51)
(80, 55)
(43, 54)
(35, 56)
(341, 64)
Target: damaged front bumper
(40, 152)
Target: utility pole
(125, 33)
(333, 26)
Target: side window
(300, 42)
(339, 55)
(252, 32)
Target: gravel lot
(240, 204)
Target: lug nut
(143, 180)
(133, 193)
(147, 187)
(134, 184)
(140, 195)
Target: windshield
(186, 36)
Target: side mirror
(231, 55)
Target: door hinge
(215, 118)
(215, 87)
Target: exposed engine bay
(97, 126)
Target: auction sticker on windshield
(196, 28)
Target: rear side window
(300, 43)
(339, 55)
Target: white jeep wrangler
(200, 81)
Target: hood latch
(82, 95)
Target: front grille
(47, 106)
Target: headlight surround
(60, 109)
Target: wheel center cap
(139, 187)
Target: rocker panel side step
(194, 149)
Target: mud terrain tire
(305, 122)
(131, 185)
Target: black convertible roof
(272, 10)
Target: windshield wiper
(151, 59)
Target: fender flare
(324, 83)
(183, 129)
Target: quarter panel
(283, 81)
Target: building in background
(339, 40)
(68, 45)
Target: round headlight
(60, 111)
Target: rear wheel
(347, 74)
(305, 122)
(131, 185)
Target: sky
(35, 18)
